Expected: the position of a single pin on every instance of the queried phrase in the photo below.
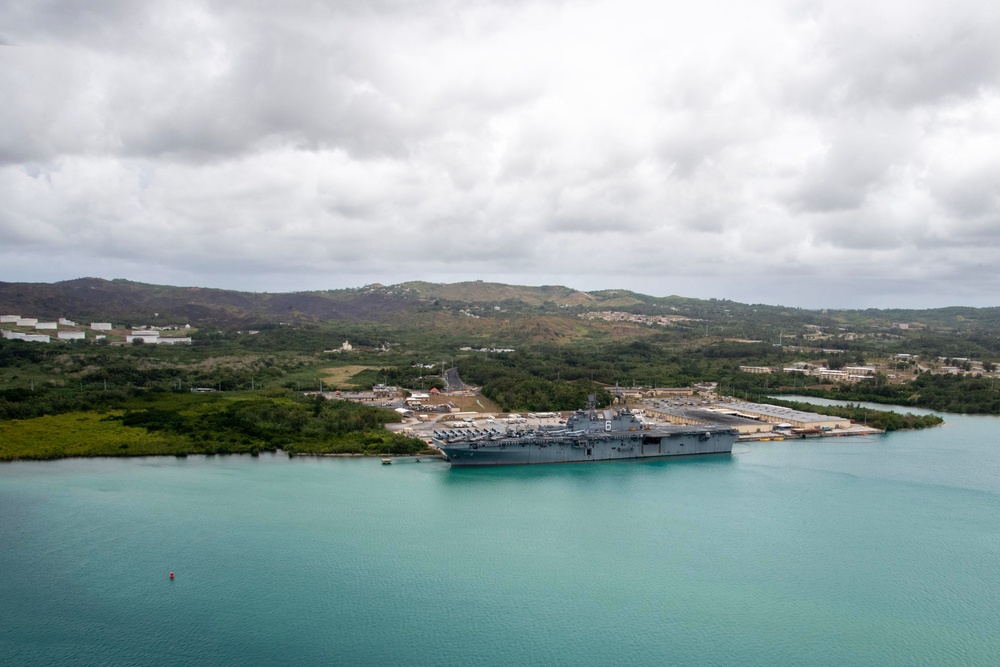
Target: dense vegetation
(882, 419)
(549, 377)
(948, 393)
(262, 350)
(520, 382)
(184, 423)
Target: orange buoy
(171, 575)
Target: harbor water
(838, 551)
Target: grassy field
(340, 376)
(82, 434)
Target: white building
(27, 322)
(153, 338)
(417, 398)
(178, 340)
(31, 338)
(757, 370)
(66, 323)
(72, 335)
(9, 319)
(101, 326)
(46, 325)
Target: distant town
(636, 318)
(900, 367)
(33, 330)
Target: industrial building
(695, 416)
(757, 370)
(779, 415)
(31, 338)
(154, 338)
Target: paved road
(452, 381)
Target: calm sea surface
(842, 551)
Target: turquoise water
(877, 551)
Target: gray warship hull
(618, 437)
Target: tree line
(880, 419)
(966, 394)
(164, 423)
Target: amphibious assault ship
(588, 435)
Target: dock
(415, 459)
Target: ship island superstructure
(588, 435)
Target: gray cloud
(859, 159)
(631, 144)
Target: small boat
(386, 460)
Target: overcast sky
(801, 152)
